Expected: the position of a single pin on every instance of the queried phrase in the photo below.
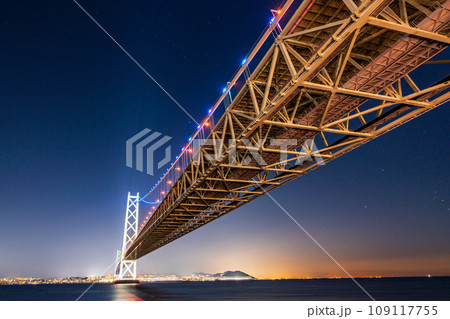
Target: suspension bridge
(332, 75)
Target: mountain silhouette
(233, 274)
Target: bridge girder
(335, 78)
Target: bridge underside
(335, 78)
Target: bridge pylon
(126, 269)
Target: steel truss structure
(335, 78)
(127, 268)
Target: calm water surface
(316, 289)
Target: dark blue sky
(69, 99)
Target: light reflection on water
(121, 293)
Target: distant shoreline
(107, 280)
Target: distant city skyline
(70, 99)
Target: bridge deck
(337, 75)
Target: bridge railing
(304, 103)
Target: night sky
(70, 98)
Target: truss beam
(328, 86)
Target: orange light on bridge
(178, 168)
(190, 150)
(163, 192)
(169, 182)
(206, 124)
(279, 12)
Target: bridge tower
(126, 269)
